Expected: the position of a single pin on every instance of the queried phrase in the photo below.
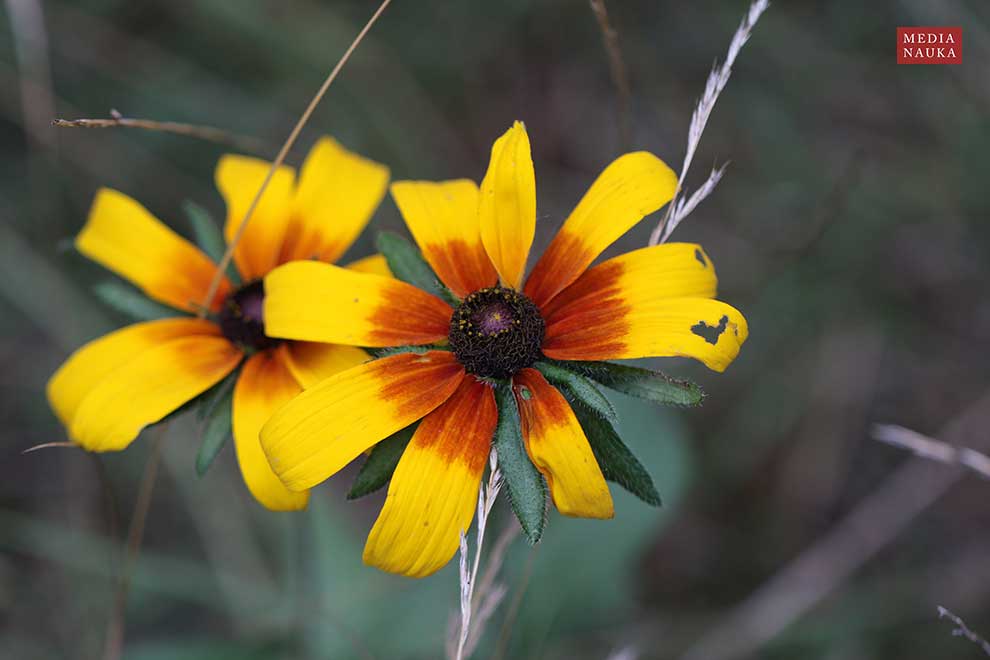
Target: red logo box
(929, 45)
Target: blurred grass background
(851, 228)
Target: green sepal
(207, 402)
(131, 303)
(217, 431)
(576, 387)
(208, 236)
(389, 351)
(408, 265)
(642, 383)
(381, 463)
(523, 482)
(617, 462)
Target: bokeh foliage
(850, 228)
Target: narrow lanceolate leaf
(380, 464)
(208, 401)
(634, 381)
(208, 236)
(396, 350)
(132, 303)
(618, 464)
(577, 388)
(216, 433)
(408, 265)
(524, 483)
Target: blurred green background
(851, 228)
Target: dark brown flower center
(495, 332)
(242, 318)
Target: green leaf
(218, 429)
(208, 401)
(381, 463)
(408, 265)
(617, 462)
(208, 236)
(523, 482)
(397, 350)
(129, 301)
(643, 383)
(577, 388)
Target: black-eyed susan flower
(111, 388)
(656, 301)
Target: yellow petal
(315, 301)
(434, 490)
(329, 425)
(149, 387)
(239, 179)
(443, 218)
(123, 236)
(89, 365)
(311, 362)
(624, 318)
(633, 186)
(559, 449)
(671, 270)
(507, 211)
(372, 265)
(338, 192)
(263, 386)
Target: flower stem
(114, 642)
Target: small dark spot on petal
(708, 332)
(700, 256)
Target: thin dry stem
(33, 63)
(505, 632)
(469, 570)
(962, 630)
(617, 69)
(684, 206)
(626, 653)
(114, 642)
(831, 560)
(280, 158)
(208, 133)
(47, 445)
(932, 449)
(29, 36)
(717, 81)
(489, 594)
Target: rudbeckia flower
(113, 387)
(657, 301)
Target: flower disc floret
(496, 331)
(242, 319)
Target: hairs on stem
(717, 81)
(280, 158)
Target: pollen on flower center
(242, 318)
(497, 331)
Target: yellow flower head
(111, 388)
(657, 301)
